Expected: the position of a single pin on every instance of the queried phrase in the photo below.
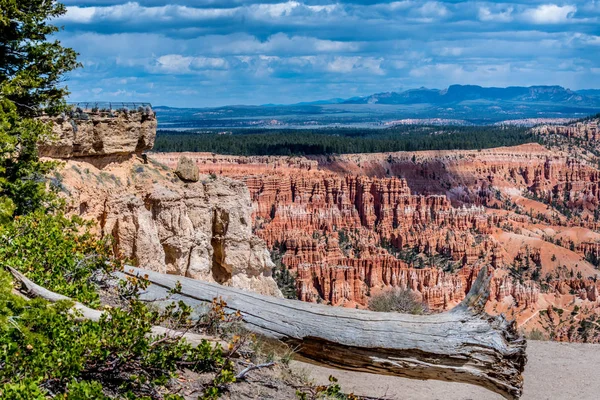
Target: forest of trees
(342, 140)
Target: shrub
(46, 349)
(56, 252)
(397, 300)
(536, 334)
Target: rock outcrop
(352, 225)
(587, 130)
(100, 133)
(341, 234)
(201, 230)
(187, 170)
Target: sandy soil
(555, 371)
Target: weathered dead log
(87, 313)
(463, 345)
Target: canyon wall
(201, 230)
(351, 226)
(587, 130)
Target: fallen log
(464, 345)
(87, 313)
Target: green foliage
(592, 258)
(342, 140)
(31, 67)
(52, 250)
(50, 350)
(286, 281)
(397, 300)
(22, 183)
(85, 390)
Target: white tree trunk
(463, 345)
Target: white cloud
(485, 14)
(238, 47)
(134, 11)
(400, 5)
(178, 64)
(433, 9)
(208, 63)
(327, 8)
(275, 10)
(345, 65)
(550, 14)
(450, 51)
(174, 64)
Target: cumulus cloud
(134, 11)
(239, 50)
(485, 14)
(550, 14)
(178, 64)
(434, 9)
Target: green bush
(46, 349)
(397, 300)
(56, 252)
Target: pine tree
(31, 70)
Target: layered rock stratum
(100, 133)
(350, 226)
(201, 230)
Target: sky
(205, 53)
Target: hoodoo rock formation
(588, 130)
(352, 225)
(201, 230)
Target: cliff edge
(201, 230)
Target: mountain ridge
(460, 93)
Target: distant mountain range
(463, 104)
(456, 94)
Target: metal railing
(108, 105)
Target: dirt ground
(554, 371)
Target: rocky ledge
(99, 133)
(199, 228)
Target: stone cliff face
(339, 232)
(587, 130)
(100, 133)
(353, 225)
(201, 230)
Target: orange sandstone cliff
(201, 229)
(352, 225)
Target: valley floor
(554, 371)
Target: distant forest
(341, 141)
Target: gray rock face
(187, 170)
(100, 134)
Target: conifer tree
(32, 68)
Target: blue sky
(217, 52)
